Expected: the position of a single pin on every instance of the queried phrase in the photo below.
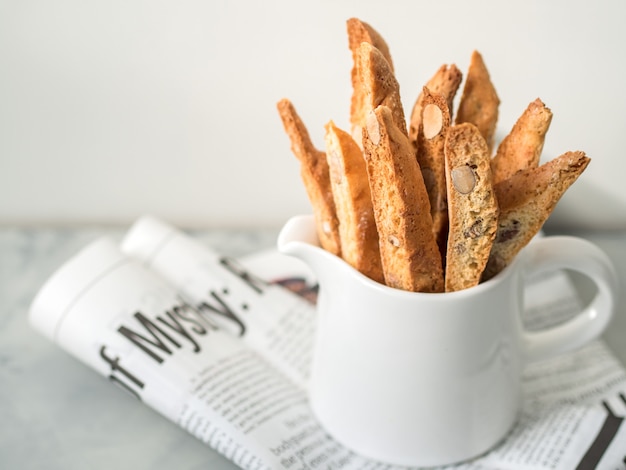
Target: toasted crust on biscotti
(526, 201)
(379, 85)
(315, 176)
(479, 101)
(445, 81)
(521, 148)
(431, 140)
(472, 207)
(359, 32)
(409, 253)
(353, 202)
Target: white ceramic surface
(432, 379)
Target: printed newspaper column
(129, 325)
(268, 317)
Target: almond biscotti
(443, 212)
(479, 102)
(526, 201)
(409, 253)
(431, 138)
(521, 148)
(353, 203)
(472, 207)
(379, 84)
(359, 32)
(315, 176)
(446, 82)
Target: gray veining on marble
(55, 413)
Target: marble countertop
(55, 413)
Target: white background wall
(112, 109)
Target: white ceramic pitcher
(423, 379)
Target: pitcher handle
(576, 254)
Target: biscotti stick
(409, 253)
(359, 32)
(380, 87)
(479, 101)
(353, 202)
(472, 207)
(521, 148)
(315, 176)
(445, 81)
(526, 201)
(432, 133)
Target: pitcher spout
(298, 238)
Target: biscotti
(353, 203)
(472, 207)
(479, 102)
(526, 201)
(409, 253)
(315, 176)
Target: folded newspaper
(222, 348)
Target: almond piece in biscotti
(479, 101)
(380, 86)
(521, 148)
(359, 32)
(472, 207)
(353, 202)
(526, 200)
(445, 81)
(431, 140)
(409, 253)
(315, 176)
